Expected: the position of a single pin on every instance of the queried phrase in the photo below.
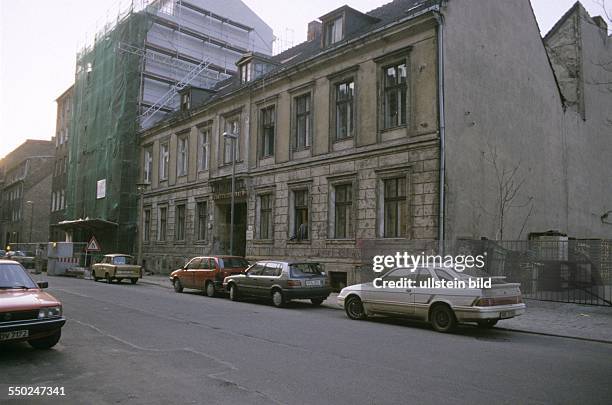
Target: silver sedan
(441, 296)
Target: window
(344, 109)
(302, 121)
(163, 223)
(148, 164)
(265, 216)
(343, 210)
(185, 101)
(146, 226)
(164, 159)
(395, 207)
(333, 31)
(202, 220)
(203, 148)
(267, 130)
(179, 233)
(62, 199)
(182, 161)
(394, 98)
(232, 126)
(245, 73)
(301, 214)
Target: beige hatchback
(117, 267)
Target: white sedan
(434, 295)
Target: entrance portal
(223, 228)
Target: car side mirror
(43, 284)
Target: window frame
(335, 103)
(331, 34)
(146, 224)
(180, 222)
(349, 207)
(264, 127)
(148, 164)
(204, 132)
(308, 121)
(396, 89)
(293, 227)
(269, 211)
(229, 120)
(162, 223)
(405, 229)
(182, 156)
(197, 224)
(164, 160)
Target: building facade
(59, 180)
(25, 194)
(345, 139)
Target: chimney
(599, 21)
(315, 28)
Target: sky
(39, 40)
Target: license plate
(506, 314)
(313, 283)
(16, 334)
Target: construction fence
(573, 271)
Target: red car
(27, 313)
(206, 273)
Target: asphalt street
(144, 344)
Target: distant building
(347, 138)
(60, 166)
(129, 78)
(25, 191)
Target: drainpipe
(441, 124)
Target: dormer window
(332, 31)
(245, 73)
(185, 101)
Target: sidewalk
(542, 317)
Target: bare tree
(508, 184)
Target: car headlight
(50, 312)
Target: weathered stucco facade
(366, 159)
(514, 145)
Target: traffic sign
(93, 245)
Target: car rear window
(14, 276)
(119, 260)
(306, 270)
(233, 262)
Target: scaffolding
(127, 79)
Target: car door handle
(408, 290)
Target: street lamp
(31, 203)
(233, 137)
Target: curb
(531, 332)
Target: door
(203, 273)
(187, 276)
(268, 278)
(248, 284)
(395, 300)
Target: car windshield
(306, 269)
(234, 262)
(14, 276)
(119, 260)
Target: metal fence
(574, 271)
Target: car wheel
(178, 287)
(46, 342)
(210, 289)
(278, 299)
(442, 318)
(316, 301)
(487, 323)
(354, 308)
(233, 292)
(108, 278)
(133, 280)
(94, 277)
